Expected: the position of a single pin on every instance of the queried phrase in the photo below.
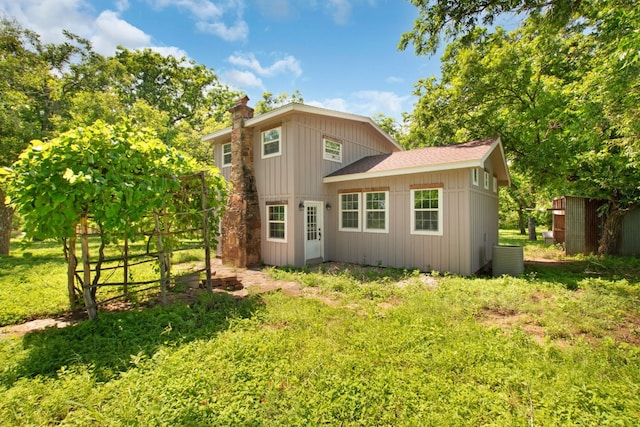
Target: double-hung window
(474, 176)
(486, 180)
(350, 212)
(226, 154)
(271, 142)
(376, 211)
(426, 211)
(331, 150)
(277, 223)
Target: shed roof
(429, 159)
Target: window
(350, 212)
(277, 223)
(271, 142)
(375, 211)
(486, 180)
(226, 154)
(495, 184)
(332, 150)
(426, 211)
(474, 176)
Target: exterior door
(313, 226)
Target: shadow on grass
(109, 344)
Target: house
(313, 185)
(577, 225)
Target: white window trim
(224, 164)
(495, 184)
(359, 211)
(273, 239)
(262, 143)
(386, 213)
(474, 176)
(439, 232)
(327, 156)
(486, 180)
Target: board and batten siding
(484, 220)
(630, 236)
(399, 248)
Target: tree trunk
(611, 231)
(532, 228)
(6, 218)
(521, 220)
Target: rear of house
(333, 186)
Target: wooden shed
(576, 224)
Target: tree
(114, 174)
(269, 102)
(32, 96)
(565, 101)
(459, 19)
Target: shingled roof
(429, 159)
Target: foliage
(114, 173)
(445, 19)
(269, 102)
(563, 99)
(466, 351)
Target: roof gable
(428, 159)
(293, 108)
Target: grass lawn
(558, 346)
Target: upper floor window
(376, 211)
(474, 176)
(426, 211)
(271, 142)
(495, 184)
(226, 154)
(332, 150)
(486, 180)
(350, 212)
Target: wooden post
(72, 265)
(89, 301)
(161, 261)
(126, 267)
(205, 232)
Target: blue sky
(340, 54)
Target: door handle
(319, 234)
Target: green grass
(379, 347)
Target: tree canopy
(564, 99)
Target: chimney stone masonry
(241, 223)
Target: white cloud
(394, 79)
(210, 16)
(242, 79)
(288, 64)
(111, 31)
(371, 102)
(337, 104)
(340, 10)
(106, 31)
(238, 32)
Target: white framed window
(486, 180)
(271, 142)
(474, 176)
(331, 150)
(277, 223)
(426, 211)
(350, 212)
(226, 154)
(495, 184)
(376, 211)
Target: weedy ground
(557, 346)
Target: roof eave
(403, 171)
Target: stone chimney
(241, 223)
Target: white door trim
(313, 249)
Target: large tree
(563, 98)
(32, 96)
